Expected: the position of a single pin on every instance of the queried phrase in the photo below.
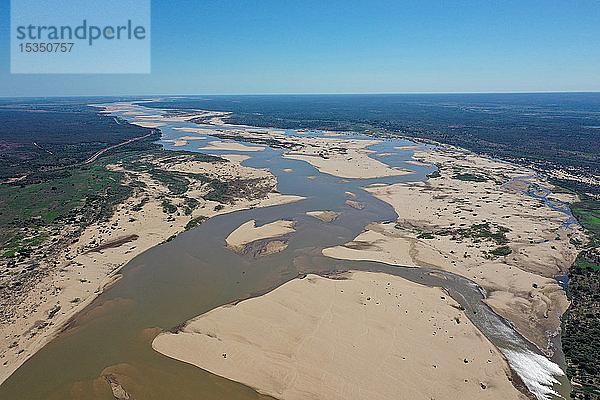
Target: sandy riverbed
(369, 336)
(184, 140)
(519, 286)
(323, 156)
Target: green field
(59, 198)
(587, 213)
(81, 195)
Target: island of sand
(248, 232)
(364, 335)
(325, 216)
(331, 156)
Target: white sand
(236, 158)
(248, 232)
(145, 124)
(384, 243)
(230, 146)
(183, 141)
(372, 336)
(413, 162)
(361, 167)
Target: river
(178, 280)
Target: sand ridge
(331, 155)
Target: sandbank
(369, 336)
(230, 146)
(355, 204)
(326, 216)
(248, 232)
(409, 147)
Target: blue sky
(208, 47)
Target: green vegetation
(194, 223)
(587, 213)
(59, 196)
(21, 245)
(177, 182)
(469, 177)
(53, 312)
(59, 190)
(501, 251)
(168, 207)
(581, 325)
(581, 339)
(141, 204)
(48, 145)
(81, 195)
(586, 265)
(478, 232)
(189, 205)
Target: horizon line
(302, 94)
